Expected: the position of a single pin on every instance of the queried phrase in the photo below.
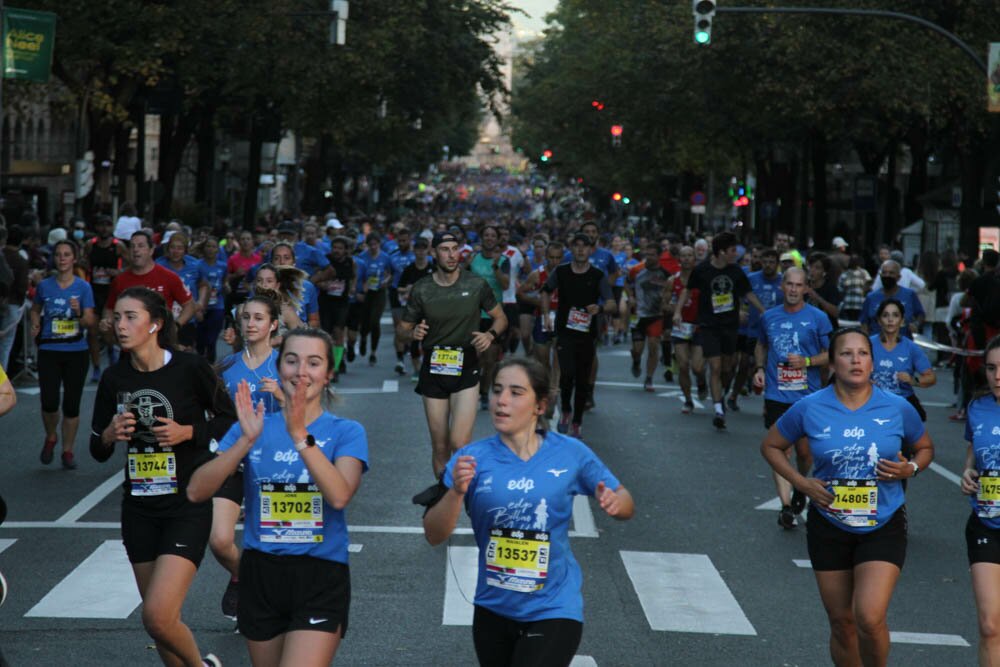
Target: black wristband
(493, 333)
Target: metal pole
(879, 13)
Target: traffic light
(704, 10)
(617, 196)
(598, 105)
(616, 135)
(85, 175)
(546, 155)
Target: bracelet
(808, 362)
(493, 333)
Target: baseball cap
(580, 236)
(786, 257)
(333, 223)
(443, 237)
(839, 242)
(287, 228)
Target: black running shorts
(773, 411)
(981, 542)
(435, 385)
(279, 594)
(716, 341)
(832, 548)
(148, 536)
(232, 488)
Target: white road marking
(772, 504)
(583, 517)
(947, 474)
(34, 391)
(931, 404)
(354, 548)
(582, 661)
(926, 638)
(803, 563)
(6, 543)
(684, 593)
(460, 585)
(358, 390)
(90, 501)
(390, 386)
(630, 385)
(679, 395)
(102, 586)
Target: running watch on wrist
(916, 468)
(308, 441)
(493, 333)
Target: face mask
(889, 283)
(78, 234)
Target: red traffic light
(741, 201)
(616, 130)
(597, 104)
(617, 196)
(547, 154)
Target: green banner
(993, 84)
(28, 40)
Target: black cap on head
(287, 228)
(580, 236)
(443, 237)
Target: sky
(537, 10)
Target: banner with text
(993, 84)
(28, 41)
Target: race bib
(373, 283)
(578, 320)
(722, 303)
(152, 472)
(683, 331)
(404, 298)
(447, 361)
(213, 297)
(791, 379)
(62, 327)
(101, 276)
(517, 560)
(988, 498)
(855, 501)
(291, 513)
(336, 288)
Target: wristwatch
(916, 468)
(494, 334)
(308, 441)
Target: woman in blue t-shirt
(898, 363)
(257, 364)
(211, 298)
(517, 487)
(856, 526)
(61, 314)
(981, 482)
(302, 466)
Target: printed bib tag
(791, 379)
(291, 513)
(373, 283)
(722, 303)
(855, 501)
(578, 320)
(683, 331)
(62, 327)
(213, 297)
(101, 276)
(152, 472)
(337, 288)
(517, 560)
(447, 361)
(988, 498)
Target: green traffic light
(626, 200)
(702, 37)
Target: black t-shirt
(576, 292)
(412, 274)
(339, 287)
(829, 293)
(984, 290)
(719, 293)
(186, 390)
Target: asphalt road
(700, 576)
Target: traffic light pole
(879, 13)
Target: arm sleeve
(790, 424)
(216, 401)
(230, 438)
(920, 361)
(353, 442)
(320, 258)
(913, 428)
(104, 410)
(414, 306)
(592, 472)
(87, 299)
(312, 306)
(968, 425)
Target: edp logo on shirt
(854, 432)
(524, 484)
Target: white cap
(839, 242)
(333, 223)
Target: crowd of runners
(215, 351)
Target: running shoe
(731, 405)
(576, 431)
(400, 370)
(372, 360)
(957, 417)
(211, 661)
(484, 402)
(668, 375)
(231, 600)
(68, 461)
(688, 408)
(636, 369)
(563, 425)
(350, 353)
(798, 501)
(786, 518)
(648, 385)
(719, 422)
(47, 449)
(95, 375)
(702, 393)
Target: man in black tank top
(103, 259)
(334, 297)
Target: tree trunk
(821, 223)
(175, 135)
(972, 163)
(253, 175)
(205, 179)
(917, 141)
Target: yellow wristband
(808, 362)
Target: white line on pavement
(582, 661)
(460, 585)
(91, 499)
(684, 593)
(34, 391)
(6, 543)
(926, 638)
(803, 563)
(583, 517)
(679, 395)
(947, 474)
(354, 548)
(772, 504)
(390, 386)
(931, 404)
(102, 586)
(358, 390)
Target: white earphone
(152, 329)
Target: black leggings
(371, 316)
(576, 358)
(502, 642)
(65, 369)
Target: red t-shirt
(160, 279)
(238, 262)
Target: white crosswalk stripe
(102, 586)
(6, 543)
